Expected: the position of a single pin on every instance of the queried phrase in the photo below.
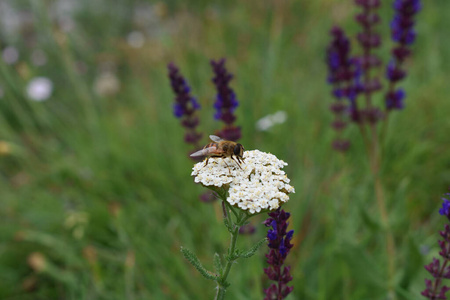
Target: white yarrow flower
(259, 185)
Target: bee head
(238, 150)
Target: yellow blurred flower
(37, 261)
(5, 148)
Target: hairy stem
(222, 283)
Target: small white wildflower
(136, 39)
(39, 88)
(259, 185)
(269, 121)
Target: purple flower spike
(280, 245)
(403, 34)
(339, 62)
(185, 105)
(435, 288)
(226, 101)
(369, 39)
(356, 76)
(344, 74)
(402, 26)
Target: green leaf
(369, 220)
(218, 264)
(192, 258)
(414, 263)
(250, 252)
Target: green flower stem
(233, 225)
(222, 284)
(241, 218)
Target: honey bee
(221, 148)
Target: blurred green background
(96, 193)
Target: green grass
(121, 160)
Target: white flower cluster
(259, 185)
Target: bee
(221, 148)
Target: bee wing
(215, 138)
(206, 151)
(202, 152)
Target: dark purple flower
(394, 73)
(372, 115)
(185, 105)
(340, 66)
(226, 101)
(368, 18)
(280, 245)
(403, 34)
(338, 107)
(340, 145)
(402, 26)
(369, 39)
(353, 75)
(369, 61)
(445, 209)
(339, 125)
(435, 288)
(394, 99)
(208, 197)
(344, 73)
(368, 4)
(247, 229)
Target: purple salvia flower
(343, 74)
(355, 75)
(280, 245)
(403, 34)
(369, 40)
(402, 26)
(185, 105)
(445, 209)
(394, 99)
(434, 288)
(394, 73)
(226, 101)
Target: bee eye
(237, 149)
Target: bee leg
(227, 166)
(237, 161)
(206, 162)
